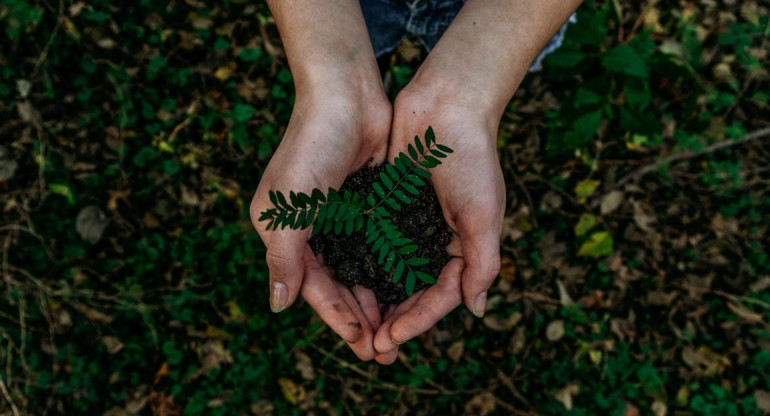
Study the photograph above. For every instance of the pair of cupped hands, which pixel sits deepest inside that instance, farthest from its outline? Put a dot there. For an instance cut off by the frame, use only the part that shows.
(336, 129)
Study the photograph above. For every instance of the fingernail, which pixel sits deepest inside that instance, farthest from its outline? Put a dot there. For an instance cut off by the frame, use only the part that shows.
(398, 342)
(480, 305)
(279, 296)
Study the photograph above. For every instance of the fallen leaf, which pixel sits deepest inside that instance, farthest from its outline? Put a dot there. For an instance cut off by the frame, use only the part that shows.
(23, 87)
(659, 408)
(481, 404)
(599, 244)
(586, 222)
(106, 43)
(496, 322)
(222, 73)
(724, 226)
(292, 392)
(213, 354)
(113, 344)
(564, 297)
(631, 410)
(763, 400)
(555, 330)
(611, 201)
(565, 395)
(745, 314)
(643, 216)
(7, 165)
(92, 314)
(90, 223)
(586, 188)
(305, 366)
(455, 351)
(162, 372)
(75, 8)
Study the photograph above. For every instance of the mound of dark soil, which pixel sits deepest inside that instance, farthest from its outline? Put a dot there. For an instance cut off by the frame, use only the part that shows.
(355, 264)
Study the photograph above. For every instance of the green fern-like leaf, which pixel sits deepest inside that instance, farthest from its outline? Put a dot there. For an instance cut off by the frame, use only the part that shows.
(348, 212)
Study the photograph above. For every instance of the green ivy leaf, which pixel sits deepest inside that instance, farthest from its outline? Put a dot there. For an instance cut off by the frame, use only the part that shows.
(599, 244)
(586, 222)
(586, 188)
(626, 60)
(242, 113)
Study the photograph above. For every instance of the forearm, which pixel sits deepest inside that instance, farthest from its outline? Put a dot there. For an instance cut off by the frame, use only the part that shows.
(486, 51)
(326, 43)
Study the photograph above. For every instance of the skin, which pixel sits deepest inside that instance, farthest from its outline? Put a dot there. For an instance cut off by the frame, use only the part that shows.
(342, 119)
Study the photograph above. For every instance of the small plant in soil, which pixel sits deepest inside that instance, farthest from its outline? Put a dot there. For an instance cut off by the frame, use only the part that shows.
(383, 229)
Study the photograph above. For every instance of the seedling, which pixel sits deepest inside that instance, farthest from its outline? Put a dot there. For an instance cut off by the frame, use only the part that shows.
(347, 212)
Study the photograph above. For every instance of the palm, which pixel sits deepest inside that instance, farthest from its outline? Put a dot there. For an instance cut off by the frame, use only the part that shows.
(321, 147)
(471, 192)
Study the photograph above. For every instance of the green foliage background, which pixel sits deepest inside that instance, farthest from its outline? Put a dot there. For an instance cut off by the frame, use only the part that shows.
(134, 134)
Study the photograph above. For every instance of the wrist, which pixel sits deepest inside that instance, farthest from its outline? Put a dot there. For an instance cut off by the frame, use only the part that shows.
(454, 96)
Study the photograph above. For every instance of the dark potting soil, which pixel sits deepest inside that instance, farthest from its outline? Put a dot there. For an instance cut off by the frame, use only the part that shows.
(355, 264)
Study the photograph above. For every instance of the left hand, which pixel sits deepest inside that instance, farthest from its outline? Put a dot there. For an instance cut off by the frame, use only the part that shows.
(471, 191)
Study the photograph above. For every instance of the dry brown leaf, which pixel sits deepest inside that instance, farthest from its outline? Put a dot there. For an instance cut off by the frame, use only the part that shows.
(763, 400)
(497, 322)
(113, 344)
(213, 354)
(91, 313)
(292, 392)
(162, 372)
(631, 410)
(644, 216)
(555, 330)
(745, 314)
(564, 297)
(305, 366)
(565, 395)
(455, 351)
(90, 223)
(724, 226)
(7, 165)
(481, 404)
(659, 408)
(611, 201)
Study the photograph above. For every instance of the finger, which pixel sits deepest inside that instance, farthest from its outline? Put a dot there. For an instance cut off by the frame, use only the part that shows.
(454, 248)
(383, 343)
(482, 258)
(285, 254)
(435, 303)
(387, 358)
(369, 305)
(364, 346)
(323, 295)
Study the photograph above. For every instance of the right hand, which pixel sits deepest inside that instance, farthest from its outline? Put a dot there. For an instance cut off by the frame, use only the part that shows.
(331, 134)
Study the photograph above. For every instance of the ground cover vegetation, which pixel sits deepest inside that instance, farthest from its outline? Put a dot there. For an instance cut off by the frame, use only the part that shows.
(635, 276)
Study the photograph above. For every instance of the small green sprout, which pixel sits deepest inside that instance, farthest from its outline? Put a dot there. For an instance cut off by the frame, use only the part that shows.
(348, 211)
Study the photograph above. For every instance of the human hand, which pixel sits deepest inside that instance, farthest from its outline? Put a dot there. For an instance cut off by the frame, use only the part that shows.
(331, 133)
(471, 192)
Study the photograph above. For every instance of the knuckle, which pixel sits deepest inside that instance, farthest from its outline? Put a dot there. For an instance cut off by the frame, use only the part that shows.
(276, 259)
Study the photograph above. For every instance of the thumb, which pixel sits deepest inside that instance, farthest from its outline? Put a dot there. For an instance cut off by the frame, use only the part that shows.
(285, 254)
(482, 265)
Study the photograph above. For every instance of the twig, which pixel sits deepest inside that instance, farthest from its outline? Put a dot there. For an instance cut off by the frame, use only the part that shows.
(511, 408)
(8, 398)
(389, 386)
(380, 383)
(755, 135)
(508, 383)
(44, 53)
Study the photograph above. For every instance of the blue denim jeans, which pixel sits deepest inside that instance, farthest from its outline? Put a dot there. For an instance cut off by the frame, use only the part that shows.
(389, 21)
